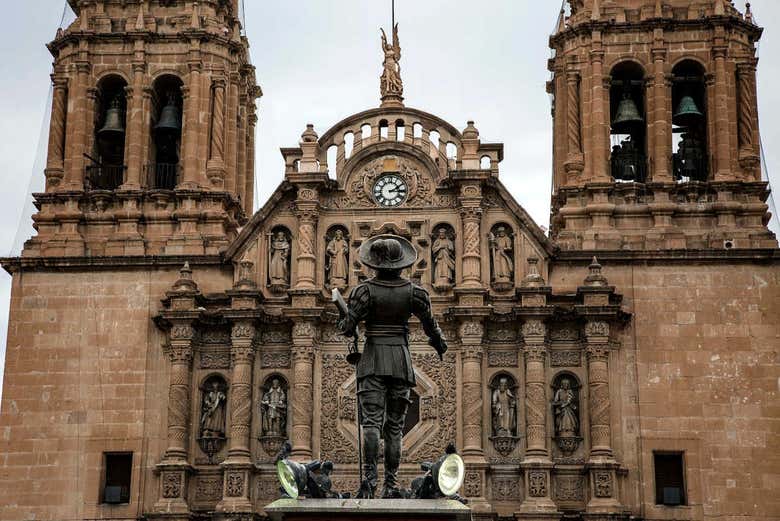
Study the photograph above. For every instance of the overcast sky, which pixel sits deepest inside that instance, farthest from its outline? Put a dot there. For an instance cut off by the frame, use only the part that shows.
(319, 61)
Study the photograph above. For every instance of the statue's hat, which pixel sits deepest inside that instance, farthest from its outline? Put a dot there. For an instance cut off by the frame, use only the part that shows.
(387, 252)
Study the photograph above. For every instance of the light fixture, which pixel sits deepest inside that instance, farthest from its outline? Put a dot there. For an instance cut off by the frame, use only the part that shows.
(292, 476)
(442, 478)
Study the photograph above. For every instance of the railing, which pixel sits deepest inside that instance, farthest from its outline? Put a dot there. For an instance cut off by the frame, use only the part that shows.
(105, 177)
(163, 176)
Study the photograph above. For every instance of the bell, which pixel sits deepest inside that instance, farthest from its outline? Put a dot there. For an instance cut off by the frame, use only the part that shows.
(114, 126)
(627, 116)
(170, 118)
(687, 113)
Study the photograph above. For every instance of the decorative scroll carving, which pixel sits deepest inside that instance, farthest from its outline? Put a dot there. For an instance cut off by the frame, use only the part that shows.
(597, 329)
(171, 484)
(304, 330)
(602, 483)
(569, 488)
(274, 359)
(208, 488)
(429, 408)
(181, 332)
(234, 484)
(472, 484)
(359, 190)
(215, 359)
(275, 336)
(502, 332)
(506, 489)
(537, 483)
(568, 358)
(502, 358)
(564, 333)
(533, 328)
(347, 408)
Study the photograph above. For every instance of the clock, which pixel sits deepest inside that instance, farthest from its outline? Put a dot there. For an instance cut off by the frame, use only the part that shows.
(390, 190)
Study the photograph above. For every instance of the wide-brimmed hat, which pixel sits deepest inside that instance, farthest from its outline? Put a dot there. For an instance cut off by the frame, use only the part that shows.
(387, 252)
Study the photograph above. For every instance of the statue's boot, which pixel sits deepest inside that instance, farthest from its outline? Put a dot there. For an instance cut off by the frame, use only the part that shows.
(390, 490)
(370, 455)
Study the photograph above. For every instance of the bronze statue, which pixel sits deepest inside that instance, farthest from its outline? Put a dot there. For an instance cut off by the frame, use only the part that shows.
(337, 265)
(504, 407)
(278, 268)
(274, 406)
(443, 261)
(384, 372)
(565, 410)
(212, 416)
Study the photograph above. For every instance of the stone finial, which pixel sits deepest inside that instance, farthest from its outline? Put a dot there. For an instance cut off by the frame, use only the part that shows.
(470, 140)
(596, 13)
(561, 21)
(310, 149)
(139, 21)
(533, 279)
(195, 21)
(659, 9)
(595, 278)
(720, 9)
(748, 13)
(309, 135)
(185, 282)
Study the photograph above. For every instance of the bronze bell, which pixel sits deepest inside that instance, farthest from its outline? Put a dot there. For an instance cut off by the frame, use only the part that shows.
(627, 117)
(114, 126)
(687, 112)
(170, 118)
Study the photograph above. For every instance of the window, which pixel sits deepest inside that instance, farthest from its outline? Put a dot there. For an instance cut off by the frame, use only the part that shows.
(118, 473)
(669, 478)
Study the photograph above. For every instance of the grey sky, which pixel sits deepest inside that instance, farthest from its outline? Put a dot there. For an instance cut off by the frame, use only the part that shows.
(319, 61)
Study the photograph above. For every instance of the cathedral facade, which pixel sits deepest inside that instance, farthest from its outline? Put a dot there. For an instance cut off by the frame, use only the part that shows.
(166, 338)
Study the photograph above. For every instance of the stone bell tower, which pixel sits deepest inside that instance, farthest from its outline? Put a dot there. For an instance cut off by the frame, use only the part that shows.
(656, 129)
(151, 146)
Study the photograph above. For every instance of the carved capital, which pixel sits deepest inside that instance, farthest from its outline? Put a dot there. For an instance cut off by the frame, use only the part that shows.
(534, 328)
(302, 354)
(242, 331)
(470, 213)
(472, 352)
(304, 330)
(597, 329)
(597, 353)
(307, 194)
(182, 332)
(471, 332)
(535, 353)
(242, 354)
(179, 353)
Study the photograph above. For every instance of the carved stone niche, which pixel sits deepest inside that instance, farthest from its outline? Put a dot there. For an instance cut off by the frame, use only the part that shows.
(443, 257)
(273, 413)
(337, 255)
(212, 419)
(502, 257)
(566, 412)
(503, 407)
(279, 248)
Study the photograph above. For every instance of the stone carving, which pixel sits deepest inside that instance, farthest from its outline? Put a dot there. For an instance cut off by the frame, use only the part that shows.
(429, 408)
(501, 256)
(537, 483)
(304, 330)
(502, 358)
(334, 446)
(268, 489)
(212, 416)
(360, 186)
(276, 336)
(443, 254)
(471, 329)
(566, 415)
(208, 488)
(274, 359)
(279, 261)
(602, 483)
(215, 336)
(506, 489)
(181, 332)
(347, 408)
(171, 484)
(502, 332)
(533, 328)
(564, 333)
(274, 410)
(234, 484)
(568, 358)
(337, 263)
(569, 488)
(472, 484)
(597, 329)
(215, 359)
(504, 406)
(390, 82)
(242, 331)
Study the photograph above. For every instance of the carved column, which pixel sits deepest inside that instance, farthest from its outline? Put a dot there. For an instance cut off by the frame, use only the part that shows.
(574, 160)
(241, 151)
(662, 152)
(749, 158)
(216, 164)
(249, 190)
(192, 126)
(471, 217)
(174, 468)
(597, 335)
(238, 464)
(304, 340)
(76, 136)
(135, 128)
(55, 160)
(722, 151)
(471, 355)
(231, 156)
(599, 120)
(306, 210)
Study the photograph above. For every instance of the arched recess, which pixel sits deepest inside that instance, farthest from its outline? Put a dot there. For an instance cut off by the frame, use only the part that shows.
(274, 406)
(628, 127)
(502, 256)
(443, 257)
(337, 255)
(212, 419)
(107, 171)
(566, 411)
(164, 167)
(503, 405)
(279, 262)
(689, 122)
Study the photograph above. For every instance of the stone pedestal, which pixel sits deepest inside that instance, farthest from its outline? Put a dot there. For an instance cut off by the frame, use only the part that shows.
(367, 510)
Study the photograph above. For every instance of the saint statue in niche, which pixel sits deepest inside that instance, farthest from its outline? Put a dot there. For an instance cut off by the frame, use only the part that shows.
(443, 261)
(565, 410)
(212, 416)
(501, 251)
(337, 263)
(504, 407)
(274, 406)
(278, 266)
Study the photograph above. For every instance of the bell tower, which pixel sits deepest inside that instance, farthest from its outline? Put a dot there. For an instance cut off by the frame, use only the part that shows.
(656, 137)
(151, 145)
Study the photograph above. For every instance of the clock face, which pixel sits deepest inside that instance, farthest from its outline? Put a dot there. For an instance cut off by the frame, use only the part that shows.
(390, 190)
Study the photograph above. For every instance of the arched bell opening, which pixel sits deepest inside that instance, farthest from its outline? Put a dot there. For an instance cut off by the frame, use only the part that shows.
(689, 122)
(165, 152)
(107, 171)
(628, 129)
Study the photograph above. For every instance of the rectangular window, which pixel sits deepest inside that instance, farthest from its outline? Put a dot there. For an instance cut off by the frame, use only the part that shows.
(118, 474)
(669, 478)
